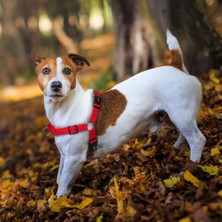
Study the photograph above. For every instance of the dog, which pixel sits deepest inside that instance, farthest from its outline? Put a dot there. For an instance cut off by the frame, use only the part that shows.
(91, 124)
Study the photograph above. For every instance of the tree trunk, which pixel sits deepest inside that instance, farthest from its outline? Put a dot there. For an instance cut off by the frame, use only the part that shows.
(138, 41)
(200, 43)
(62, 37)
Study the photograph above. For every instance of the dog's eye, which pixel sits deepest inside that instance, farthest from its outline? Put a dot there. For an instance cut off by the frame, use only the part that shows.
(67, 71)
(46, 71)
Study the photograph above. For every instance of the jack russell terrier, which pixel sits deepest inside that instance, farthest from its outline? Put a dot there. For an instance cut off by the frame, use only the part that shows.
(88, 123)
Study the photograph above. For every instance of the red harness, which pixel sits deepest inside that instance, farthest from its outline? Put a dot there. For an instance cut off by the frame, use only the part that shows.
(90, 126)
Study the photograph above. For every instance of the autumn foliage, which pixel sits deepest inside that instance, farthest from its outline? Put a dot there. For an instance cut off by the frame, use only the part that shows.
(144, 180)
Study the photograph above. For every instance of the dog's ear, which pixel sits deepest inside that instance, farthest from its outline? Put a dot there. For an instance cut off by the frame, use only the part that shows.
(38, 60)
(78, 60)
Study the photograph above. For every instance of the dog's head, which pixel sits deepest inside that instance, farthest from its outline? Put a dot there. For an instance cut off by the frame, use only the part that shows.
(57, 76)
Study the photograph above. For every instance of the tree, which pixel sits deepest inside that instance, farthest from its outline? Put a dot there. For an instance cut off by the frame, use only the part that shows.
(136, 37)
(140, 34)
(200, 43)
(66, 34)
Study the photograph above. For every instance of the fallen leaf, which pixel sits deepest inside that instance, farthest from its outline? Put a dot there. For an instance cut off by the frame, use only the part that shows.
(31, 203)
(169, 183)
(115, 191)
(41, 205)
(213, 78)
(216, 205)
(137, 144)
(215, 151)
(191, 178)
(149, 152)
(185, 219)
(56, 204)
(219, 193)
(212, 170)
(2, 161)
(88, 191)
(136, 170)
(130, 211)
(85, 202)
(99, 218)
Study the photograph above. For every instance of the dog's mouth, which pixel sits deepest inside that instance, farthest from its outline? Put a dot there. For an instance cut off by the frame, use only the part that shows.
(56, 96)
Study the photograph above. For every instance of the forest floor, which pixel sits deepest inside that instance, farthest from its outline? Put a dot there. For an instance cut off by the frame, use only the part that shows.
(144, 180)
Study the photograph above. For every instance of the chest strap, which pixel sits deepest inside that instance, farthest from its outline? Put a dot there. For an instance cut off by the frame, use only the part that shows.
(90, 126)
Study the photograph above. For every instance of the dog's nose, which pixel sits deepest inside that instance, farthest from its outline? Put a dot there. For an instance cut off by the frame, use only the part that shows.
(56, 86)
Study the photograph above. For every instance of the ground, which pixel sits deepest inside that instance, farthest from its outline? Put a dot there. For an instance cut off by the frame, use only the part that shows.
(144, 180)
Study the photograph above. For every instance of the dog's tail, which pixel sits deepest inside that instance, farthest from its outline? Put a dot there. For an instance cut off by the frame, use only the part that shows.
(176, 52)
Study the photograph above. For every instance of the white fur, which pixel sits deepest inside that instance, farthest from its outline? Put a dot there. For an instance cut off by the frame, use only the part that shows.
(164, 88)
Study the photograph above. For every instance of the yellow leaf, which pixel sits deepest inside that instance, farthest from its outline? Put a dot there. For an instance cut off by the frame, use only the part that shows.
(130, 211)
(216, 205)
(185, 219)
(149, 152)
(137, 144)
(212, 170)
(187, 153)
(41, 205)
(6, 174)
(56, 204)
(24, 183)
(88, 191)
(213, 78)
(10, 216)
(119, 197)
(31, 203)
(169, 183)
(55, 167)
(126, 181)
(191, 178)
(48, 192)
(2, 161)
(219, 193)
(99, 218)
(85, 202)
(136, 170)
(215, 151)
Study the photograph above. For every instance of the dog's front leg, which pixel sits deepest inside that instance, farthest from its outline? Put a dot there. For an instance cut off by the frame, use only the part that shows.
(61, 164)
(71, 167)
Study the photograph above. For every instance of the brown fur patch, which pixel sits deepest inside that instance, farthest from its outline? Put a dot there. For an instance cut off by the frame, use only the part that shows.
(113, 105)
(72, 77)
(44, 79)
(176, 59)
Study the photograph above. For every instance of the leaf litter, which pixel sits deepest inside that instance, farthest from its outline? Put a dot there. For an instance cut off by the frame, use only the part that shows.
(144, 180)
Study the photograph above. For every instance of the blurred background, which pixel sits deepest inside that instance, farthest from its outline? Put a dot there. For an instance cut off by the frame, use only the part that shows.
(118, 37)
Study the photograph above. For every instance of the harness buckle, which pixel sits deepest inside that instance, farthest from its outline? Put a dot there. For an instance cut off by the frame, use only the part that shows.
(46, 131)
(73, 129)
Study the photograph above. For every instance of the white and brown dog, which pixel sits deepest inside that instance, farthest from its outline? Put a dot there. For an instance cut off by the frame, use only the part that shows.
(85, 123)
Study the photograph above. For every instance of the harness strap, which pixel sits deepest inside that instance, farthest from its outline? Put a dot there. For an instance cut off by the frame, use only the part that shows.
(90, 126)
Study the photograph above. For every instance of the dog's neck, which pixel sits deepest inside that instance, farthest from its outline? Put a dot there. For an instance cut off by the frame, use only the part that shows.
(70, 109)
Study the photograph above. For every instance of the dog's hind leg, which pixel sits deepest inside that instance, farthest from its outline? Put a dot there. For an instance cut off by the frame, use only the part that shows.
(196, 141)
(180, 140)
(189, 130)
